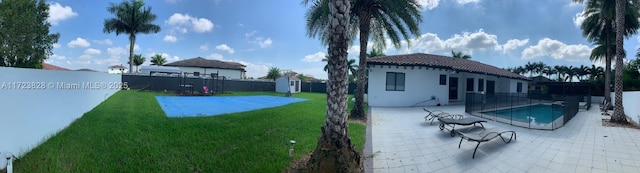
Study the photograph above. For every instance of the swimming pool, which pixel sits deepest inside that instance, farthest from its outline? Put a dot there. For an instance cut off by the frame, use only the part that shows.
(534, 114)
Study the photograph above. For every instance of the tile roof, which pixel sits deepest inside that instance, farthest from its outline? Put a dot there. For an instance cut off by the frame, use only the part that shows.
(444, 62)
(207, 63)
(46, 66)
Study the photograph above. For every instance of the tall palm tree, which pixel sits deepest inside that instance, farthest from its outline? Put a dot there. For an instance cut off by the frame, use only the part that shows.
(610, 14)
(595, 72)
(132, 19)
(459, 54)
(351, 64)
(138, 60)
(334, 151)
(158, 60)
(529, 68)
(376, 19)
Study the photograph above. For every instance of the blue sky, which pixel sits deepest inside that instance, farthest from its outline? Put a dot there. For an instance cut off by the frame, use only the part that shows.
(265, 34)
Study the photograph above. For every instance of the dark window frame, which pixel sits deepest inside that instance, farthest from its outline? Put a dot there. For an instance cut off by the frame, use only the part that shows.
(396, 81)
(480, 85)
(519, 87)
(470, 84)
(443, 79)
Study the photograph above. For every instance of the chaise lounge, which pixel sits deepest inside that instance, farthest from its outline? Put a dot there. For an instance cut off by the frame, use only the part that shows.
(452, 122)
(484, 136)
(432, 115)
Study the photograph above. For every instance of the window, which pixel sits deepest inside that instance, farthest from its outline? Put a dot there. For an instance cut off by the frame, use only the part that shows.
(395, 81)
(443, 79)
(480, 84)
(470, 84)
(291, 83)
(519, 89)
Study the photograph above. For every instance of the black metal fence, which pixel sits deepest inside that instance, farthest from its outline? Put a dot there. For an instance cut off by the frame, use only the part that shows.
(322, 87)
(530, 110)
(194, 85)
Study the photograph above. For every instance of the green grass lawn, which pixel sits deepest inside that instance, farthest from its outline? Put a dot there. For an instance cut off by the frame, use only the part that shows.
(130, 133)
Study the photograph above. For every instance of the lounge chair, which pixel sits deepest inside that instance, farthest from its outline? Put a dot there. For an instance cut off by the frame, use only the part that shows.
(432, 115)
(452, 122)
(484, 136)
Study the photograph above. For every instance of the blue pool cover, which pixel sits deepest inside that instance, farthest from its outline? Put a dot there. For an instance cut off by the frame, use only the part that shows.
(190, 106)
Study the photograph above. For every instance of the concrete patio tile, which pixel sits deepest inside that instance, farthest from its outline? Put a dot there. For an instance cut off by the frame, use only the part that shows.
(406, 144)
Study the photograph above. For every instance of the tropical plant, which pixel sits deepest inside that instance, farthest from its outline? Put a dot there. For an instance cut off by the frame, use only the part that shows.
(351, 64)
(376, 19)
(132, 19)
(459, 54)
(375, 52)
(138, 60)
(595, 72)
(274, 73)
(158, 60)
(334, 151)
(25, 40)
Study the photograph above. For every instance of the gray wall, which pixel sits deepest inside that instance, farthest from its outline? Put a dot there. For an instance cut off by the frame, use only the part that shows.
(33, 112)
(161, 83)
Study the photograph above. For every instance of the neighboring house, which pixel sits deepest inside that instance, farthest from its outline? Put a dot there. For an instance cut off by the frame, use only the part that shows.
(534, 86)
(46, 66)
(284, 84)
(117, 69)
(424, 79)
(231, 70)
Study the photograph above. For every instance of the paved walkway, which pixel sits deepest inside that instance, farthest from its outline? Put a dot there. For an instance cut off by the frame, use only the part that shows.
(402, 142)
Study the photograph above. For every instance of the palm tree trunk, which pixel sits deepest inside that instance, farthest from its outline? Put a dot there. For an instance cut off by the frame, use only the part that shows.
(334, 152)
(132, 42)
(365, 24)
(618, 110)
(607, 79)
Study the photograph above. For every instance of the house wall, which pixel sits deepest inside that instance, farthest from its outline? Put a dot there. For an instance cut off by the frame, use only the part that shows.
(31, 116)
(117, 71)
(420, 85)
(630, 100)
(230, 74)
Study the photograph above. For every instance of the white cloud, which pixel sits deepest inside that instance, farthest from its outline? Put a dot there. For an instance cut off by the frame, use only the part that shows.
(240, 24)
(170, 38)
(56, 45)
(92, 51)
(105, 41)
(578, 19)
(78, 42)
(118, 52)
(462, 2)
(59, 13)
(224, 47)
(204, 47)
(428, 4)
(58, 57)
(316, 57)
(557, 50)
(264, 43)
(215, 56)
(166, 56)
(182, 21)
(467, 42)
(513, 44)
(249, 34)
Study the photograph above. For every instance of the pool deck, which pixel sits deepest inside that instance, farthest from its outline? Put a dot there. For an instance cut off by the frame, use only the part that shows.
(398, 140)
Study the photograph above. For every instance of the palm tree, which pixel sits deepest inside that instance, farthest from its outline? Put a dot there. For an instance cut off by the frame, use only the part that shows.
(583, 72)
(548, 70)
(158, 60)
(351, 64)
(607, 14)
(334, 151)
(274, 73)
(529, 68)
(459, 54)
(132, 19)
(138, 60)
(595, 72)
(378, 19)
(375, 52)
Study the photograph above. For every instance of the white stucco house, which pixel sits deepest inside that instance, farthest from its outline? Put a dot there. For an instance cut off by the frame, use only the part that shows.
(284, 84)
(117, 69)
(230, 70)
(425, 80)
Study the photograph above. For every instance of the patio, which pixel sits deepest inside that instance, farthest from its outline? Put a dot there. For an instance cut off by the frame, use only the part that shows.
(402, 142)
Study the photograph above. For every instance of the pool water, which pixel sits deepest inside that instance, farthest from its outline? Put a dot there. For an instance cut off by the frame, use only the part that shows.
(537, 114)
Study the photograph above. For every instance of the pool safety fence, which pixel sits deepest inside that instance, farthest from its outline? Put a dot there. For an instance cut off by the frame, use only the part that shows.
(529, 110)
